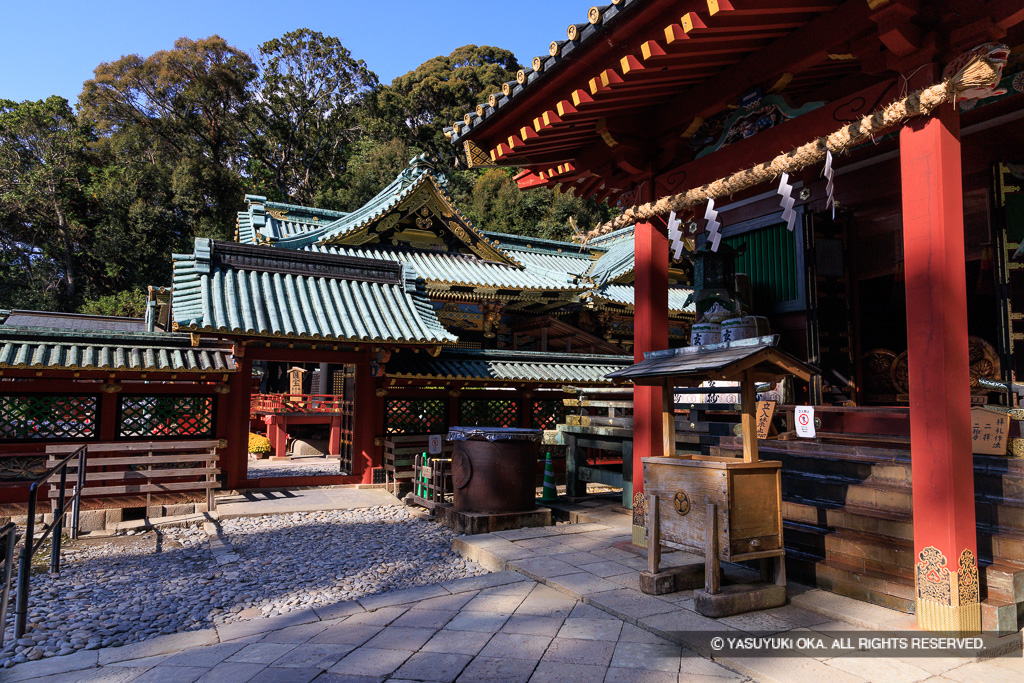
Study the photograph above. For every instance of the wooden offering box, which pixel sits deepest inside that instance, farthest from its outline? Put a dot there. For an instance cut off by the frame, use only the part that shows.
(729, 508)
(746, 496)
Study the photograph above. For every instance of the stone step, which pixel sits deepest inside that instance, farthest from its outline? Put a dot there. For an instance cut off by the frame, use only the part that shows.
(879, 589)
(1000, 616)
(846, 491)
(1002, 546)
(1001, 581)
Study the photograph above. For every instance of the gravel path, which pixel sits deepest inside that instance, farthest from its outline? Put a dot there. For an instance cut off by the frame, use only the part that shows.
(294, 469)
(129, 588)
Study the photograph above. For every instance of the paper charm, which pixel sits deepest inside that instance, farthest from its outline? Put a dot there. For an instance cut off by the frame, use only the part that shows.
(711, 216)
(788, 202)
(830, 186)
(675, 236)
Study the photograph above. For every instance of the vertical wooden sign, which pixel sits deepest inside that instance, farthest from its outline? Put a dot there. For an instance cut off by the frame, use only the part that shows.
(765, 412)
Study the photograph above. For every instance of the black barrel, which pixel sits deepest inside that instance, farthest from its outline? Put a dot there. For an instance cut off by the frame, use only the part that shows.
(494, 469)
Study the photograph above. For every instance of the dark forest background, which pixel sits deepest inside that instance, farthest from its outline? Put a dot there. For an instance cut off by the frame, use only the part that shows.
(158, 150)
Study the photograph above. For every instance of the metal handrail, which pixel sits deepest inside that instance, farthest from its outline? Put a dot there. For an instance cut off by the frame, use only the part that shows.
(53, 529)
(9, 536)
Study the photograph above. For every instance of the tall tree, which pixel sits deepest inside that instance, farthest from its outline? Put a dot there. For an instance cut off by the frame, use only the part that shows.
(496, 203)
(306, 112)
(180, 109)
(43, 169)
(422, 102)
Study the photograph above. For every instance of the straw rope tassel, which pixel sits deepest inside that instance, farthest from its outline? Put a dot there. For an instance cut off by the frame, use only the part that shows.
(978, 72)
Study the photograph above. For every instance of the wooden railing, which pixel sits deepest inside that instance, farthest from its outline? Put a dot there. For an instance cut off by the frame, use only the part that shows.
(299, 403)
(145, 467)
(400, 451)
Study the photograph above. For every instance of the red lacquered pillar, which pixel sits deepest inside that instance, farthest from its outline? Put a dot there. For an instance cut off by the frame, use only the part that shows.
(650, 333)
(234, 457)
(365, 423)
(945, 536)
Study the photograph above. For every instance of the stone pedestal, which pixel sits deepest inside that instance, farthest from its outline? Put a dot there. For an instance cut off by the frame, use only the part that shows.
(739, 598)
(485, 523)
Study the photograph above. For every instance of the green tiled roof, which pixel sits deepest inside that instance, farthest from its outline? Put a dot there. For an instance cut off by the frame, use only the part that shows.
(264, 220)
(437, 267)
(508, 366)
(261, 291)
(617, 262)
(566, 257)
(62, 349)
(623, 294)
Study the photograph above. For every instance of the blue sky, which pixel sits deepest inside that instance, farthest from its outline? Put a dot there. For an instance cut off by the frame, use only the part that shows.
(52, 47)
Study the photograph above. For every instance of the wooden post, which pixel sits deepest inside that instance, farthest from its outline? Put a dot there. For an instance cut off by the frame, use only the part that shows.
(945, 535)
(234, 459)
(653, 535)
(748, 418)
(365, 426)
(650, 333)
(334, 441)
(110, 421)
(572, 483)
(711, 582)
(668, 419)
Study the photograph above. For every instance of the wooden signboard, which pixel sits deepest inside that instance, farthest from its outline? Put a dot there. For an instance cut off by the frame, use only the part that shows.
(295, 380)
(989, 431)
(765, 412)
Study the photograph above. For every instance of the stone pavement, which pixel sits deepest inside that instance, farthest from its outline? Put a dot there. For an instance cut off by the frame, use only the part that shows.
(592, 563)
(500, 627)
(562, 605)
(282, 502)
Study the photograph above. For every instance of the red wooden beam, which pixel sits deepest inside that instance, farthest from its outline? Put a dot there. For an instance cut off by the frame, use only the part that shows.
(765, 145)
(794, 53)
(304, 355)
(71, 386)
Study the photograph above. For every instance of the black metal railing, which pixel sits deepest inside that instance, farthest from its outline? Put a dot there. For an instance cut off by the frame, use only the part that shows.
(54, 529)
(8, 539)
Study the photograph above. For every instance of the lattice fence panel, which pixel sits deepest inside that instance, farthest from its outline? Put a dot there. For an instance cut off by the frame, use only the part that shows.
(548, 413)
(48, 417)
(156, 416)
(489, 412)
(416, 416)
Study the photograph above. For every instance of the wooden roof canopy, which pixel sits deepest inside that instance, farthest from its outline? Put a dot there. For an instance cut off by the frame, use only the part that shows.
(755, 359)
(618, 102)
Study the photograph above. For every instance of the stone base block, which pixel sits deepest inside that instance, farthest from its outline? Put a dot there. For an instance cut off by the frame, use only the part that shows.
(179, 509)
(90, 520)
(682, 578)
(739, 598)
(999, 616)
(113, 517)
(483, 523)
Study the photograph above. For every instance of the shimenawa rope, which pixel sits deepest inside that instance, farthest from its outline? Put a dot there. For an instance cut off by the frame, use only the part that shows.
(978, 72)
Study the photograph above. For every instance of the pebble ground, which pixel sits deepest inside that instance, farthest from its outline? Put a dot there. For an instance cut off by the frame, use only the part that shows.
(131, 587)
(296, 469)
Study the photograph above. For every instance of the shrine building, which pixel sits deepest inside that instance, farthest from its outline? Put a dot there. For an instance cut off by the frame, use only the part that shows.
(861, 163)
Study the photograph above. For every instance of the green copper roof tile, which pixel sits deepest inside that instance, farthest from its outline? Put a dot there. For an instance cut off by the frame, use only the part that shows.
(462, 269)
(623, 294)
(510, 366)
(262, 291)
(53, 349)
